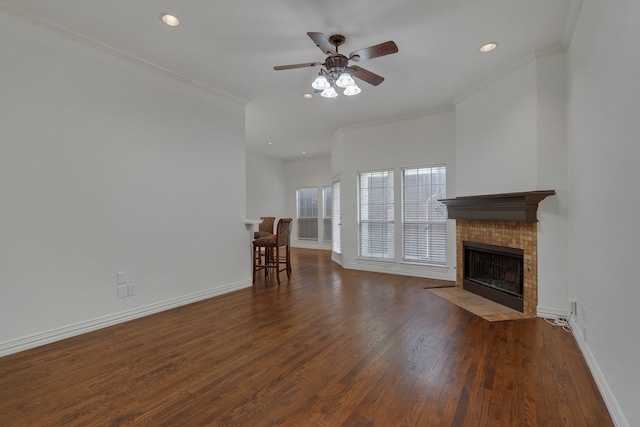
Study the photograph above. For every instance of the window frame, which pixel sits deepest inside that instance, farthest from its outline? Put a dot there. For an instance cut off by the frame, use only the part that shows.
(300, 220)
(436, 245)
(327, 207)
(383, 245)
(336, 238)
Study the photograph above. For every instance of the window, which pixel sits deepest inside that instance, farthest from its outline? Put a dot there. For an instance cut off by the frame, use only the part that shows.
(326, 213)
(375, 215)
(308, 213)
(424, 218)
(335, 226)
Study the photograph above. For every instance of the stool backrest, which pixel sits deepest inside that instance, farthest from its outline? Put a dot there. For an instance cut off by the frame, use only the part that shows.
(284, 231)
(267, 224)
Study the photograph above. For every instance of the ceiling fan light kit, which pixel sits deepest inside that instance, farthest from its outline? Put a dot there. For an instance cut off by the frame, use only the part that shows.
(321, 83)
(336, 71)
(345, 80)
(352, 90)
(329, 93)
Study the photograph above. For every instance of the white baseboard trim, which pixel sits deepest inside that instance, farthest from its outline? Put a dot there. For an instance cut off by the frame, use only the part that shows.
(58, 334)
(617, 416)
(551, 313)
(402, 269)
(310, 244)
(337, 258)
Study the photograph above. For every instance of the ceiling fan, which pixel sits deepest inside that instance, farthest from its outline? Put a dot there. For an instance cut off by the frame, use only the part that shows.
(336, 70)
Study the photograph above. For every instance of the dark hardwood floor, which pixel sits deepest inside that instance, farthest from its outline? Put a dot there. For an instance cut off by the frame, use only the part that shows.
(330, 347)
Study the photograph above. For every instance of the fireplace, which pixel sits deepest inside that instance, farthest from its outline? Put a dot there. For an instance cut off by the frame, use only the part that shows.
(509, 221)
(495, 272)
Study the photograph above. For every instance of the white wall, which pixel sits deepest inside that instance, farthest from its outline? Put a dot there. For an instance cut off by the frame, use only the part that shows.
(312, 172)
(511, 137)
(266, 187)
(420, 141)
(496, 139)
(604, 202)
(107, 167)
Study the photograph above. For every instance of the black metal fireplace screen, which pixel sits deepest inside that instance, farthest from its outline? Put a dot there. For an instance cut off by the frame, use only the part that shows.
(494, 272)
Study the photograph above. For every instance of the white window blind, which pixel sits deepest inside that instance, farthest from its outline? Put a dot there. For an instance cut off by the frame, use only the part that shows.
(308, 213)
(424, 218)
(326, 213)
(376, 215)
(335, 218)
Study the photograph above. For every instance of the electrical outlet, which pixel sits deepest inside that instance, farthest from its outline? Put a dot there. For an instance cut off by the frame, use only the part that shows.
(131, 289)
(122, 291)
(574, 306)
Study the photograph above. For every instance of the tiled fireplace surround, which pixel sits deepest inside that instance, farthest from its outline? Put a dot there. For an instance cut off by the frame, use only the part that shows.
(509, 220)
(521, 235)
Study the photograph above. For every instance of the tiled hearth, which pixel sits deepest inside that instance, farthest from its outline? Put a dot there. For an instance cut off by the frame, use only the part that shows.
(521, 235)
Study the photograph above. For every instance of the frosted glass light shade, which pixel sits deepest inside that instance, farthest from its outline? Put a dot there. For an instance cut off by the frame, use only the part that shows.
(330, 92)
(352, 90)
(320, 83)
(345, 80)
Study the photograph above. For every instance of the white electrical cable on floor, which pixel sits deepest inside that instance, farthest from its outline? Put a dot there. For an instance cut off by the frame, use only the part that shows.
(560, 321)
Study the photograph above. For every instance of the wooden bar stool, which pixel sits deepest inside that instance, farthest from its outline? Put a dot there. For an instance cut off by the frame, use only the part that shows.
(267, 253)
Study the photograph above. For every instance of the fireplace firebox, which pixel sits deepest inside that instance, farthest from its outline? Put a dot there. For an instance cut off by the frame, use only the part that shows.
(495, 272)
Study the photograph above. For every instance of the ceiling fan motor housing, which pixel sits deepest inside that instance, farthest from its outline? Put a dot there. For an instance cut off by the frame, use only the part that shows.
(336, 64)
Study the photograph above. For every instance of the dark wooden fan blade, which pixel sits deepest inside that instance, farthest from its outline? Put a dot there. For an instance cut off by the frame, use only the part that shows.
(382, 49)
(289, 67)
(323, 43)
(367, 75)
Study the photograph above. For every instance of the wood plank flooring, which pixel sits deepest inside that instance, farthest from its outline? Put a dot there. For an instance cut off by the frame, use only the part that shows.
(330, 347)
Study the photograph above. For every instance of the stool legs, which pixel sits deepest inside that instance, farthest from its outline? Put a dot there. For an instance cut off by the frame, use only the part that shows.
(267, 257)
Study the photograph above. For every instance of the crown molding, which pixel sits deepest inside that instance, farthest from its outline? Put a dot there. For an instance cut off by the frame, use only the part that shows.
(555, 49)
(572, 20)
(261, 156)
(483, 84)
(72, 34)
(425, 113)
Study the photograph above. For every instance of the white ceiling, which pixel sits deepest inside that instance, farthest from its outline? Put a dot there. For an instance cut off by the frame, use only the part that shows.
(231, 46)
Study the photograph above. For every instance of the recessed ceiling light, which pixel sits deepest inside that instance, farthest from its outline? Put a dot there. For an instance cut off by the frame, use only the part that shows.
(269, 143)
(170, 20)
(488, 47)
(304, 152)
(308, 95)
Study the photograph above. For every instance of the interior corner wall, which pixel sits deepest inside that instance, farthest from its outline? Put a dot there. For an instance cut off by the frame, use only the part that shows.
(604, 199)
(312, 172)
(412, 142)
(108, 167)
(552, 173)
